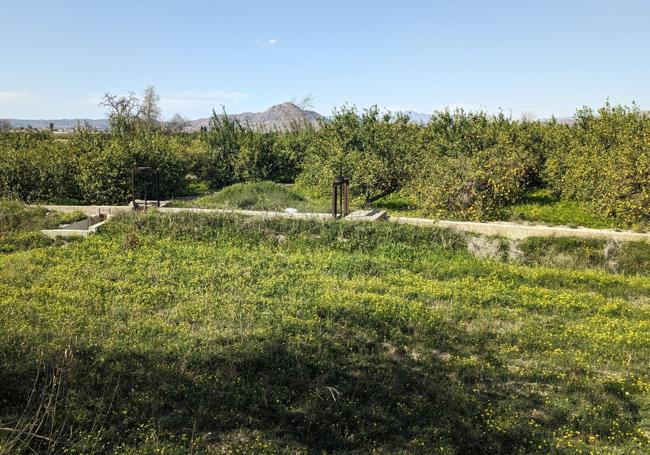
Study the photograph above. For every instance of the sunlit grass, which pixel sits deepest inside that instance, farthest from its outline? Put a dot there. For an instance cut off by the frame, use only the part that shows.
(257, 196)
(222, 334)
(539, 206)
(20, 225)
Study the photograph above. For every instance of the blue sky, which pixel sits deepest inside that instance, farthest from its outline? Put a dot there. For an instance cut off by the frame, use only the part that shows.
(545, 57)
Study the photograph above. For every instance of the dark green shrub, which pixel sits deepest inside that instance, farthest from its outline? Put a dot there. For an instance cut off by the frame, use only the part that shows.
(372, 150)
(605, 160)
(35, 168)
(476, 186)
(105, 167)
(633, 258)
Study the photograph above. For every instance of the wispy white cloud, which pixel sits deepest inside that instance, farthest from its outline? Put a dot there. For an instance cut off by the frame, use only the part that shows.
(270, 41)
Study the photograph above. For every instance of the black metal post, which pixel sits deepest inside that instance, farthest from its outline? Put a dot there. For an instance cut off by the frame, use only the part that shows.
(341, 196)
(334, 189)
(133, 187)
(158, 186)
(346, 205)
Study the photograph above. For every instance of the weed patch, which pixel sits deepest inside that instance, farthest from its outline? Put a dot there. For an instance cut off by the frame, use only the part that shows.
(208, 334)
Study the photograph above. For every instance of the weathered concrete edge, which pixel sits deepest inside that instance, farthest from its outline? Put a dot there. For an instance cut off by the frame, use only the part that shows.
(520, 231)
(54, 233)
(89, 210)
(503, 229)
(111, 210)
(257, 213)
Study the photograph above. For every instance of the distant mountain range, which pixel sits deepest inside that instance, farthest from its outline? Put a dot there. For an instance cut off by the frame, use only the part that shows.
(280, 117)
(417, 117)
(61, 124)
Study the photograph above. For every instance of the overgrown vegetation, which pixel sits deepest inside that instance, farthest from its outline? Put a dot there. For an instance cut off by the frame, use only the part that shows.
(605, 161)
(541, 206)
(95, 167)
(374, 151)
(20, 225)
(256, 196)
(195, 333)
(458, 165)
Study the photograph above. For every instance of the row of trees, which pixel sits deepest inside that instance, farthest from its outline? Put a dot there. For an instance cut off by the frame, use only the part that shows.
(95, 167)
(471, 165)
(467, 165)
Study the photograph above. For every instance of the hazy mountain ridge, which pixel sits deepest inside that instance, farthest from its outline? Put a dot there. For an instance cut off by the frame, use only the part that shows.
(280, 117)
(59, 124)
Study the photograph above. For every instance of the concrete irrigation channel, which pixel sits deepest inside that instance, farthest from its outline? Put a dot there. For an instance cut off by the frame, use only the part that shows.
(80, 228)
(515, 231)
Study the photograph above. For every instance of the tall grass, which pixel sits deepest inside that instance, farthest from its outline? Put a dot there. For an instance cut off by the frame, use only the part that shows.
(257, 196)
(20, 225)
(221, 334)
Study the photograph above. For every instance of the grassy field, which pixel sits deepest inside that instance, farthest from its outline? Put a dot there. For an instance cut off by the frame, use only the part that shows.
(257, 196)
(540, 207)
(216, 334)
(20, 225)
(537, 207)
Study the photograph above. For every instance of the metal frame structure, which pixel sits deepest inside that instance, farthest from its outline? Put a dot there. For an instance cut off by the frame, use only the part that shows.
(340, 197)
(140, 170)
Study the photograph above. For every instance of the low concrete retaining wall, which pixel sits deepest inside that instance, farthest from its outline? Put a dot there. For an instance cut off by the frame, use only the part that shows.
(90, 210)
(80, 228)
(257, 213)
(521, 231)
(500, 228)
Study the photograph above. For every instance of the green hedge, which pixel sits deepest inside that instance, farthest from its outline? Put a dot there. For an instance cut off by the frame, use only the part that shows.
(461, 165)
(605, 160)
(476, 186)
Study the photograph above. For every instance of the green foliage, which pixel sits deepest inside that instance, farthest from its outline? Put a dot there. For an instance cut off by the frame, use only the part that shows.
(35, 167)
(106, 164)
(567, 252)
(474, 165)
(223, 139)
(633, 258)
(256, 196)
(229, 153)
(606, 161)
(17, 217)
(541, 206)
(92, 167)
(371, 149)
(23, 241)
(20, 225)
(192, 333)
(105, 173)
(458, 165)
(459, 133)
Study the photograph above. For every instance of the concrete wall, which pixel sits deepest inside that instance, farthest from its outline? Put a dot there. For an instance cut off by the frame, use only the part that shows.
(521, 231)
(503, 229)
